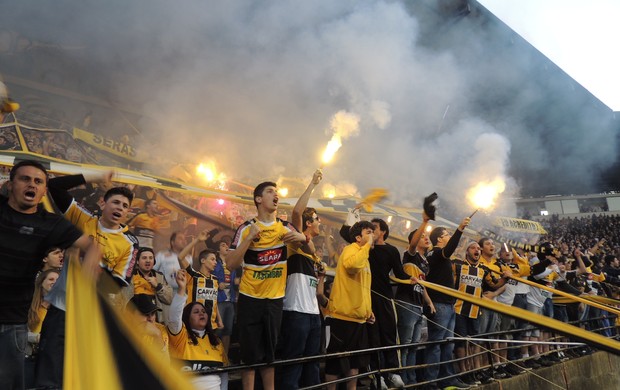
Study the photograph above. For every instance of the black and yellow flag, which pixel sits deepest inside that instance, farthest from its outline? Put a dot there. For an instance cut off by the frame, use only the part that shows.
(591, 338)
(102, 349)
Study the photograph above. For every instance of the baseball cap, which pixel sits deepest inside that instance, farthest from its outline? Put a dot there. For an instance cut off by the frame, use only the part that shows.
(145, 303)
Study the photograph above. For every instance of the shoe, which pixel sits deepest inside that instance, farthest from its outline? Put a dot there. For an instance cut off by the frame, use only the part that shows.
(484, 377)
(543, 361)
(521, 364)
(562, 356)
(383, 385)
(455, 383)
(504, 369)
(532, 364)
(395, 381)
(498, 373)
(553, 358)
(514, 369)
(470, 379)
(378, 383)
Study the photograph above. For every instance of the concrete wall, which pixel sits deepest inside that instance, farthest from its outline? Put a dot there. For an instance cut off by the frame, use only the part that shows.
(599, 371)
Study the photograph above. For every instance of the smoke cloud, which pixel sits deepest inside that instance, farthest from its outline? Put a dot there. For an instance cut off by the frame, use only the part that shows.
(254, 86)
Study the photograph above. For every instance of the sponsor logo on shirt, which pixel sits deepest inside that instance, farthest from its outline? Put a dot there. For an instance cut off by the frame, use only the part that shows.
(471, 280)
(270, 274)
(270, 256)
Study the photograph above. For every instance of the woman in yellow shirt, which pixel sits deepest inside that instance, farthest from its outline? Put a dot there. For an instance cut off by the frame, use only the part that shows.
(193, 341)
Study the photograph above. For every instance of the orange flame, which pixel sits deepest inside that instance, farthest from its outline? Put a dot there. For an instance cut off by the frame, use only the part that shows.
(484, 194)
(343, 125)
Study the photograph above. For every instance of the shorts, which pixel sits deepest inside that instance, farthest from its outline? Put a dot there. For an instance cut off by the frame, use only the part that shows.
(259, 325)
(532, 331)
(520, 301)
(346, 336)
(463, 327)
(506, 323)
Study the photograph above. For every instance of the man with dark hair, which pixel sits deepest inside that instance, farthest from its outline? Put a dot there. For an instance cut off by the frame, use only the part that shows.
(612, 269)
(301, 336)
(441, 325)
(202, 286)
(26, 232)
(350, 306)
(259, 246)
(385, 260)
(471, 278)
(410, 299)
(118, 248)
(147, 281)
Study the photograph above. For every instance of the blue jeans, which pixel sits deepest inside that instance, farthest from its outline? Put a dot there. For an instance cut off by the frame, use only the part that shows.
(300, 335)
(440, 327)
(13, 341)
(410, 323)
(227, 312)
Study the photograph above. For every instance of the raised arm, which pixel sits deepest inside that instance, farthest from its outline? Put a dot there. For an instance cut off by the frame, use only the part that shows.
(59, 186)
(453, 243)
(183, 262)
(581, 267)
(418, 233)
(175, 313)
(353, 216)
(302, 202)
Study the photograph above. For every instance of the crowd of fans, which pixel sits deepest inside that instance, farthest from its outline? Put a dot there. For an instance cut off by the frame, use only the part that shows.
(273, 287)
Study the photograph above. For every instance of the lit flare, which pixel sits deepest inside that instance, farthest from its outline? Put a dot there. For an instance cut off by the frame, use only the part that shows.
(484, 194)
(343, 125)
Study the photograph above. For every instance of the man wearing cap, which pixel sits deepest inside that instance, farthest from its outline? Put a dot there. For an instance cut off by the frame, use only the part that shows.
(27, 230)
(144, 310)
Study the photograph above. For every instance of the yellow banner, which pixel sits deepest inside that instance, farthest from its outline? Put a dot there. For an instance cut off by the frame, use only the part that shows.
(108, 145)
(520, 225)
(104, 350)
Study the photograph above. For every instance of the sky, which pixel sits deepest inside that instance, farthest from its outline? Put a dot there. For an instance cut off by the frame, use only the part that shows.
(581, 37)
(255, 86)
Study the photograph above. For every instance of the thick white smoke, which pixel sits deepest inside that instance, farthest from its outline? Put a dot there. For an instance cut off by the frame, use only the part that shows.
(254, 85)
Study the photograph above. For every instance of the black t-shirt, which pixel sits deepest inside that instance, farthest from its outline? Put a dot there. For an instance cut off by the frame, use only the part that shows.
(24, 238)
(440, 269)
(383, 259)
(413, 294)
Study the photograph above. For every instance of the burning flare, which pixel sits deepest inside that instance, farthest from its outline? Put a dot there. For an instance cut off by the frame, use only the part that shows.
(209, 174)
(484, 194)
(343, 125)
(329, 191)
